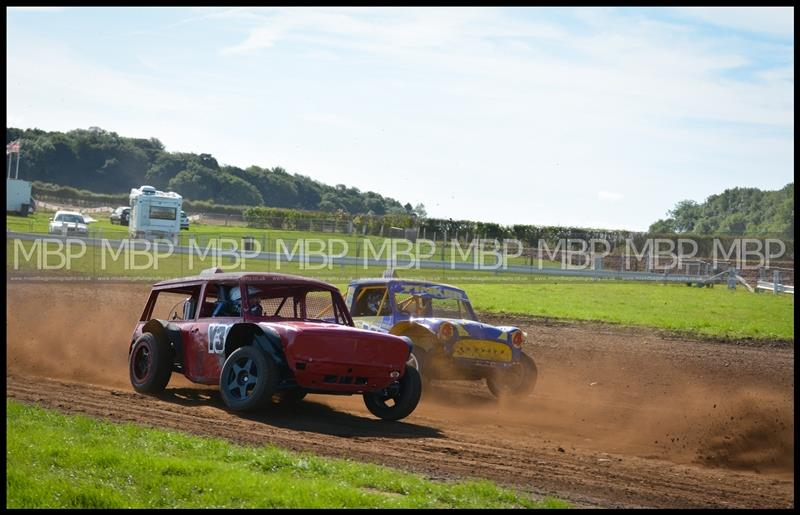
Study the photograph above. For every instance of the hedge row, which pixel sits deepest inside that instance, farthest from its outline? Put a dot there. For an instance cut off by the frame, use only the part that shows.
(53, 192)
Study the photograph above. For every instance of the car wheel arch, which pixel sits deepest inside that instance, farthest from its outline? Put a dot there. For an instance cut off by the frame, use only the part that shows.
(167, 332)
(419, 334)
(156, 327)
(247, 333)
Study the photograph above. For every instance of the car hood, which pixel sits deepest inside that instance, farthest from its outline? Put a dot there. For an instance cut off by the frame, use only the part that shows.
(469, 328)
(291, 328)
(319, 341)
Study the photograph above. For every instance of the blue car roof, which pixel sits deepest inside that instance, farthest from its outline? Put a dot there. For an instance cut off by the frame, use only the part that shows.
(391, 282)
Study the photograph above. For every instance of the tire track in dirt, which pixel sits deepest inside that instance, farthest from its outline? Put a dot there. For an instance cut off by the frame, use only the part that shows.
(577, 476)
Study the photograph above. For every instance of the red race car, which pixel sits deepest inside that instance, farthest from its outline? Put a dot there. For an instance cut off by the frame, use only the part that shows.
(268, 339)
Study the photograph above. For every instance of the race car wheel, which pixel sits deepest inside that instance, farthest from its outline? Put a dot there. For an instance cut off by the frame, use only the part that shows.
(398, 400)
(248, 379)
(150, 364)
(288, 397)
(419, 360)
(518, 380)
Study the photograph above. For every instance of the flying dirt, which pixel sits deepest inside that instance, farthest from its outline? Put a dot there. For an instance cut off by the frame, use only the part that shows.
(619, 417)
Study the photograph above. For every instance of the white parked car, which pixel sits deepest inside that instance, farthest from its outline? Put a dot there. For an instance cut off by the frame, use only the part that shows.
(69, 222)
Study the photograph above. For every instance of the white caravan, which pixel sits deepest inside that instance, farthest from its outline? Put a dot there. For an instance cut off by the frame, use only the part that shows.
(155, 214)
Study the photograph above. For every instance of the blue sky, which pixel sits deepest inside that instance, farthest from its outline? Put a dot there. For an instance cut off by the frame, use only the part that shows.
(588, 116)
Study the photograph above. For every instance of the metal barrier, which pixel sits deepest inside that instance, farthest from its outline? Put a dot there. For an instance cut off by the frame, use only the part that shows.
(778, 283)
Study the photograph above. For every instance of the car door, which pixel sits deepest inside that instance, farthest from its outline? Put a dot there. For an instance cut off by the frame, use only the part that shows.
(176, 308)
(205, 346)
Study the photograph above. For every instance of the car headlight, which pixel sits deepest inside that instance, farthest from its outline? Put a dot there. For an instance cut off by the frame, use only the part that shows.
(446, 331)
(517, 339)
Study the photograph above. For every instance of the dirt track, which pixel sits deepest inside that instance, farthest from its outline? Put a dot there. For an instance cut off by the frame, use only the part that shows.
(619, 418)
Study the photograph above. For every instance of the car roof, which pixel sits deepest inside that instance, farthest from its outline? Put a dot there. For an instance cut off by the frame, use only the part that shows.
(393, 280)
(250, 277)
(61, 212)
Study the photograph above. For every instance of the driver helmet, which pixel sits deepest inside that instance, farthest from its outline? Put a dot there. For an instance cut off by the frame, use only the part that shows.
(235, 294)
(427, 305)
(374, 301)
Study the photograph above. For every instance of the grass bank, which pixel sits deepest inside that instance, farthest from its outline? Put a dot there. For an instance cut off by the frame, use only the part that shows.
(72, 461)
(709, 312)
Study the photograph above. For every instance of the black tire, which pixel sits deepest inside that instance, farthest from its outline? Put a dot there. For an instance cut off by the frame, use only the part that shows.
(248, 379)
(394, 406)
(150, 364)
(419, 360)
(289, 398)
(519, 381)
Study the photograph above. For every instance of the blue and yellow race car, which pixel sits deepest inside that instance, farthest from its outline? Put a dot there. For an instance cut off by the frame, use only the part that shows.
(448, 340)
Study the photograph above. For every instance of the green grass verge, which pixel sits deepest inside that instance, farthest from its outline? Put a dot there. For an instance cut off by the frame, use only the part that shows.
(109, 262)
(72, 461)
(709, 312)
(267, 238)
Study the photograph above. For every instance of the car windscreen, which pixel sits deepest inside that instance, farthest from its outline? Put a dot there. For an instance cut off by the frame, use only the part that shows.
(427, 306)
(293, 302)
(69, 218)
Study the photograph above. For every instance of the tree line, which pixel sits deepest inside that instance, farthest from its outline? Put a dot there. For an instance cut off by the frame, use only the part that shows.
(96, 164)
(104, 162)
(735, 211)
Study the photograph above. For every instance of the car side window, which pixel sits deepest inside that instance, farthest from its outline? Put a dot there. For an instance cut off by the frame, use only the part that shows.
(221, 300)
(176, 305)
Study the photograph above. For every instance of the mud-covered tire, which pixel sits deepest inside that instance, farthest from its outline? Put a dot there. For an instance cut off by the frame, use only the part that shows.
(150, 364)
(288, 398)
(400, 405)
(418, 359)
(249, 378)
(520, 382)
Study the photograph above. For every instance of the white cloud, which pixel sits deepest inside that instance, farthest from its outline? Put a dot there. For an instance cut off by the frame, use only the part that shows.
(775, 21)
(261, 37)
(477, 113)
(609, 196)
(334, 120)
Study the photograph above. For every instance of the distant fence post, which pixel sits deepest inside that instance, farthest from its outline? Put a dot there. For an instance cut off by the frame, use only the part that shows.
(731, 278)
(777, 287)
(266, 249)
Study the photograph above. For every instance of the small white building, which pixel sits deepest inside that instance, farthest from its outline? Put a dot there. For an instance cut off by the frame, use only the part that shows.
(18, 196)
(155, 214)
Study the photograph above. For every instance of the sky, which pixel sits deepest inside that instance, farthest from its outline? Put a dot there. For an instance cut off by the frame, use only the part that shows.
(593, 117)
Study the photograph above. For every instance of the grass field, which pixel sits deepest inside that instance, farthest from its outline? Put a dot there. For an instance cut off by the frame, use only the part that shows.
(70, 461)
(711, 312)
(268, 239)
